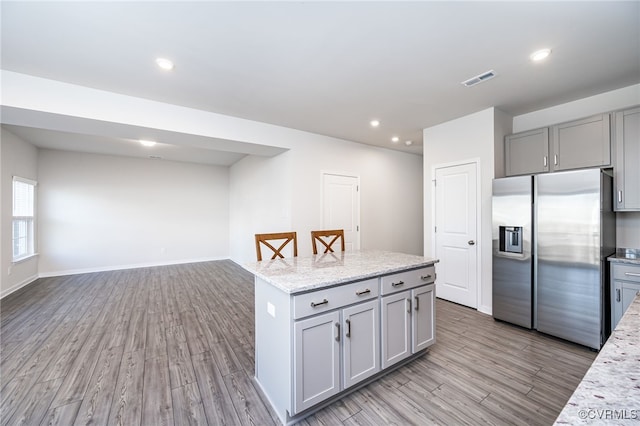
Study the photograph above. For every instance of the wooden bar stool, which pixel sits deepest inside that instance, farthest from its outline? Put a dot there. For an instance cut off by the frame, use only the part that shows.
(278, 236)
(327, 238)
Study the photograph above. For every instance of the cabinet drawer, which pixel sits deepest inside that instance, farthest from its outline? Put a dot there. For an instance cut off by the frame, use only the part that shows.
(406, 280)
(626, 272)
(328, 299)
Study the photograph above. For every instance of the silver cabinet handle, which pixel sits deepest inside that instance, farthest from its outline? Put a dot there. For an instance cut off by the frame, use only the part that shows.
(617, 295)
(544, 161)
(360, 293)
(397, 284)
(417, 303)
(425, 277)
(555, 159)
(632, 274)
(337, 332)
(314, 304)
(348, 328)
(619, 196)
(408, 306)
(471, 242)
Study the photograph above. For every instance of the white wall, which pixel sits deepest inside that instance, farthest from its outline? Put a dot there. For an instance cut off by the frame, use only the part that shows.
(390, 193)
(283, 193)
(102, 212)
(19, 158)
(628, 223)
(468, 138)
(260, 197)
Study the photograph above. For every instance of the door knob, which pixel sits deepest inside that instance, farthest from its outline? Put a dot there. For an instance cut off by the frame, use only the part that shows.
(471, 243)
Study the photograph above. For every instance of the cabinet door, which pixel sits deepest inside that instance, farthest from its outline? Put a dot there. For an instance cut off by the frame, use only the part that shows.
(616, 303)
(361, 343)
(527, 152)
(396, 328)
(629, 291)
(423, 333)
(627, 172)
(316, 359)
(582, 143)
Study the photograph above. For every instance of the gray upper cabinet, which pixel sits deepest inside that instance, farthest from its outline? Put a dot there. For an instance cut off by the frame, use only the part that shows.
(627, 169)
(573, 145)
(527, 152)
(581, 143)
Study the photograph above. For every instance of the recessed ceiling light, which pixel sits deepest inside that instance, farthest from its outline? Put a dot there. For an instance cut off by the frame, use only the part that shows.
(539, 55)
(147, 143)
(165, 64)
(408, 143)
(395, 139)
(374, 123)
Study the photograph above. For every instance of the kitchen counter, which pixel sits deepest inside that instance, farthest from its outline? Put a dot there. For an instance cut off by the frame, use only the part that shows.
(610, 391)
(301, 274)
(626, 255)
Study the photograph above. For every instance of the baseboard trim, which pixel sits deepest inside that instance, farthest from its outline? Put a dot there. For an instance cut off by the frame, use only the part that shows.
(130, 266)
(485, 310)
(18, 286)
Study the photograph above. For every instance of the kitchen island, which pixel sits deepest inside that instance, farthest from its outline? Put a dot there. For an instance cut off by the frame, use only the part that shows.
(328, 324)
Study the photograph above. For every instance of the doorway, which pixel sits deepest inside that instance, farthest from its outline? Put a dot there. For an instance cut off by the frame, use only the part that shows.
(455, 232)
(341, 206)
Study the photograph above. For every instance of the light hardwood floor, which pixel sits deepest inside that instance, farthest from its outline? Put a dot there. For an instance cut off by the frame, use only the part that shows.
(174, 345)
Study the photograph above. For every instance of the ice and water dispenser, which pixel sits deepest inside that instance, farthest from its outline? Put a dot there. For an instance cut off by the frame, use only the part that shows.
(511, 239)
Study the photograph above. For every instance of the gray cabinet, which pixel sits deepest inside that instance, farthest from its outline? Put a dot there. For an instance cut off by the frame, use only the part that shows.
(625, 284)
(627, 164)
(361, 345)
(407, 323)
(582, 143)
(574, 145)
(396, 328)
(527, 152)
(316, 359)
(423, 325)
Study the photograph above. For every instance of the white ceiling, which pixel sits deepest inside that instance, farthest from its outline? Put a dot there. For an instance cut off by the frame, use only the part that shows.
(327, 67)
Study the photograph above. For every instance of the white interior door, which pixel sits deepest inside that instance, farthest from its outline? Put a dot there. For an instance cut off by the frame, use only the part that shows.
(341, 206)
(455, 233)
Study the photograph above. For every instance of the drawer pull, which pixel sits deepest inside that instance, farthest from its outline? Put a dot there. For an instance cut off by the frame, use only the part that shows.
(337, 332)
(314, 304)
(417, 303)
(399, 283)
(348, 328)
(632, 274)
(360, 293)
(425, 277)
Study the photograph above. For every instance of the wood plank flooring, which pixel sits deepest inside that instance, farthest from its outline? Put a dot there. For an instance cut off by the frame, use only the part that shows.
(174, 345)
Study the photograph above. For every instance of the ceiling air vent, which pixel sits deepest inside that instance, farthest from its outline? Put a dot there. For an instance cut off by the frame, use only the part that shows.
(479, 78)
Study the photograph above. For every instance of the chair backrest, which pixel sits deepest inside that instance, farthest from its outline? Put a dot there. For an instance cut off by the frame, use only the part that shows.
(327, 238)
(266, 238)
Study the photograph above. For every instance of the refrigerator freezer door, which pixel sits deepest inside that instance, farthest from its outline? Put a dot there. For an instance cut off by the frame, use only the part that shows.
(512, 268)
(568, 248)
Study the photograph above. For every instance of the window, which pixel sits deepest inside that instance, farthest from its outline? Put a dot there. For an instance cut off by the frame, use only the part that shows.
(23, 217)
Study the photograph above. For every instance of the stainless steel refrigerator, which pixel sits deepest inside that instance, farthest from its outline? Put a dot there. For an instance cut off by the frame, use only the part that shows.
(552, 234)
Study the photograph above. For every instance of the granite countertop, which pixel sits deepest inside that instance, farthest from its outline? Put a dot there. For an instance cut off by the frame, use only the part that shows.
(610, 391)
(300, 274)
(626, 255)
